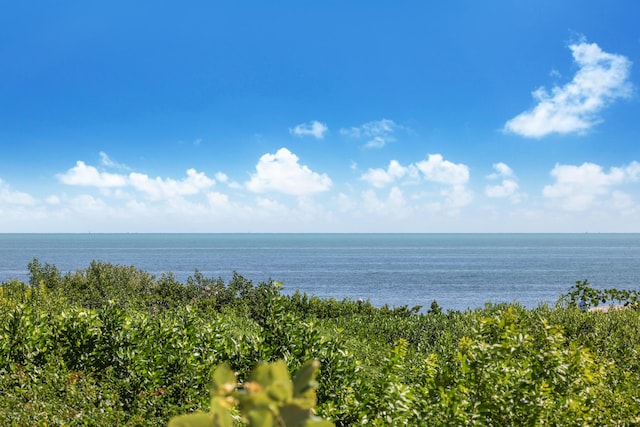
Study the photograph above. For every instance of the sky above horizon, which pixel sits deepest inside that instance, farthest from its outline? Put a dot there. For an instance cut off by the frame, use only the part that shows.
(293, 116)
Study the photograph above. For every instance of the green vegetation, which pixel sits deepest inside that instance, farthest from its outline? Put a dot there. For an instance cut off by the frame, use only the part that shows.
(113, 345)
(268, 398)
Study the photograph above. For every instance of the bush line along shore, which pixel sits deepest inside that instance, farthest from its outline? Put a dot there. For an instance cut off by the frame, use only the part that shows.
(113, 345)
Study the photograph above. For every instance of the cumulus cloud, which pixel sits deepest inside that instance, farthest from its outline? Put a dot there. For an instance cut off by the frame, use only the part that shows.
(436, 169)
(155, 188)
(222, 177)
(381, 177)
(378, 133)
(508, 187)
(85, 175)
(281, 172)
(313, 128)
(451, 177)
(574, 108)
(578, 188)
(158, 188)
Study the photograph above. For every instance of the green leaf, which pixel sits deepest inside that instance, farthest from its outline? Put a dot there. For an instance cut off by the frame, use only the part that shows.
(294, 415)
(318, 423)
(267, 374)
(221, 413)
(193, 420)
(224, 381)
(280, 391)
(260, 418)
(304, 378)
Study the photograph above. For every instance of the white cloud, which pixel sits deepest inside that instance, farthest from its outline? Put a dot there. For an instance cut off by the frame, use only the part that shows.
(508, 188)
(89, 204)
(456, 197)
(313, 128)
(601, 79)
(11, 197)
(222, 177)
(378, 132)
(430, 195)
(380, 177)
(269, 205)
(376, 142)
(105, 160)
(218, 200)
(84, 175)
(168, 188)
(436, 169)
(155, 188)
(394, 206)
(452, 192)
(578, 188)
(281, 172)
(345, 204)
(623, 202)
(501, 170)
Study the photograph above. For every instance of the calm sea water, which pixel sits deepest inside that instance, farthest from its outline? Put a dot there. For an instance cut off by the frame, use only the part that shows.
(460, 271)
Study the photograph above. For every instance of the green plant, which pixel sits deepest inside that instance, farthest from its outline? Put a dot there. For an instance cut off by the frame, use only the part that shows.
(584, 296)
(269, 398)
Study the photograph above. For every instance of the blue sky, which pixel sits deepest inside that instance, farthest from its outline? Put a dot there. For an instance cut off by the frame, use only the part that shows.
(334, 116)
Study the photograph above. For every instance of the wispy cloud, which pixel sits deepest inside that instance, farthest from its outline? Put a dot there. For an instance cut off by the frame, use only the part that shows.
(575, 107)
(12, 197)
(578, 188)
(281, 172)
(105, 160)
(378, 133)
(313, 128)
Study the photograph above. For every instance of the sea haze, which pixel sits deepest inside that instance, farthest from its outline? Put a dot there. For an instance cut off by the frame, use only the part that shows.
(459, 271)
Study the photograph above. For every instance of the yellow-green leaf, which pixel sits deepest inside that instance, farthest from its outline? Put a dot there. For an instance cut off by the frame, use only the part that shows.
(192, 420)
(304, 377)
(260, 418)
(224, 381)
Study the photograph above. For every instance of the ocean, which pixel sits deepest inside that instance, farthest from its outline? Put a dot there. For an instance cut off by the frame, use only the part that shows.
(459, 271)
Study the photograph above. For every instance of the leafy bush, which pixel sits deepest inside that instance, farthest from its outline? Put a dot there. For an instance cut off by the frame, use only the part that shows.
(112, 345)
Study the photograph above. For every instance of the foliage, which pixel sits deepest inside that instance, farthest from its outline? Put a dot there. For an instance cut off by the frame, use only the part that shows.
(113, 345)
(268, 398)
(584, 296)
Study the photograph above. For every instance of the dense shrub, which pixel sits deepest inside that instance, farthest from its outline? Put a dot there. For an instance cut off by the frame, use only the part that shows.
(112, 345)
